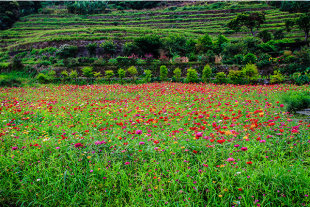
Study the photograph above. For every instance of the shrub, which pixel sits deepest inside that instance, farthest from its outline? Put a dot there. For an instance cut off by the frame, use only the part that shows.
(66, 51)
(238, 59)
(42, 78)
(6, 81)
(175, 44)
(205, 43)
(51, 75)
(250, 58)
(125, 61)
(148, 76)
(221, 40)
(109, 47)
(277, 77)
(236, 76)
(206, 73)
(4, 66)
(148, 44)
(64, 74)
(250, 72)
(265, 35)
(264, 60)
(191, 76)
(91, 47)
(98, 75)
(130, 48)
(220, 77)
(278, 34)
(109, 74)
(301, 79)
(73, 74)
(16, 64)
(296, 101)
(87, 72)
(121, 73)
(163, 73)
(177, 74)
(132, 70)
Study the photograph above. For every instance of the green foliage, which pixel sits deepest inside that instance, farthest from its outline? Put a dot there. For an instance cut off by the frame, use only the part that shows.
(148, 44)
(300, 79)
(138, 5)
(175, 45)
(277, 77)
(238, 59)
(177, 74)
(66, 51)
(206, 73)
(220, 43)
(64, 74)
(109, 47)
(296, 100)
(121, 73)
(250, 72)
(130, 48)
(289, 23)
(205, 43)
(86, 7)
(91, 47)
(191, 76)
(87, 72)
(42, 78)
(11, 11)
(265, 35)
(7, 81)
(132, 70)
(163, 73)
(73, 74)
(16, 64)
(293, 6)
(249, 58)
(148, 76)
(303, 23)
(236, 76)
(278, 34)
(109, 74)
(252, 21)
(220, 77)
(51, 75)
(125, 61)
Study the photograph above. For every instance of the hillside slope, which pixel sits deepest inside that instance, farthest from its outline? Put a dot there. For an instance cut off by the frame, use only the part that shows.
(194, 20)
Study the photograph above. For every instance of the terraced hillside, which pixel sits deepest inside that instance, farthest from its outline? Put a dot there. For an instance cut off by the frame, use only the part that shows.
(194, 20)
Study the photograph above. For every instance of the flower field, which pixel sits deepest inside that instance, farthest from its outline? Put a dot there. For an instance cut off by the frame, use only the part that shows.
(159, 144)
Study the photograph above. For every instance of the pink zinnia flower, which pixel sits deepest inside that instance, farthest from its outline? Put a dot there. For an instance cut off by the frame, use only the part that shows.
(138, 131)
(244, 148)
(14, 148)
(199, 134)
(141, 143)
(230, 159)
(127, 163)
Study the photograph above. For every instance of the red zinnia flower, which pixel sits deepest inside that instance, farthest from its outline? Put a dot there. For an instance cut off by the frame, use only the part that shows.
(78, 145)
(195, 152)
(249, 163)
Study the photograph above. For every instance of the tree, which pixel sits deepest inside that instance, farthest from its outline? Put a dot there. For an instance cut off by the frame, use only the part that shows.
(251, 21)
(303, 23)
(204, 43)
